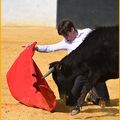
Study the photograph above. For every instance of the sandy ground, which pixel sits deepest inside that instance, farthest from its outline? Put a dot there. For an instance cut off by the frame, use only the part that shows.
(12, 40)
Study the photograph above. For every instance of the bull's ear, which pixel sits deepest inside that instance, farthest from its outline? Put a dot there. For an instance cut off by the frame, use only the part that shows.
(53, 64)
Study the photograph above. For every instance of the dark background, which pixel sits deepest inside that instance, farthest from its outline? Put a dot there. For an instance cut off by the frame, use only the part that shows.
(88, 13)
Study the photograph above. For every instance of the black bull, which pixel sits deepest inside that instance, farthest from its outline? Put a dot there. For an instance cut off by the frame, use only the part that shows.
(96, 59)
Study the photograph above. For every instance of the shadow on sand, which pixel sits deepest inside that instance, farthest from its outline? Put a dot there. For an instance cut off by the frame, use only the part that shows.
(61, 107)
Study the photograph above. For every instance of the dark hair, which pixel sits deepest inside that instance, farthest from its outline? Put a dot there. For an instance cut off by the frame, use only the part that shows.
(65, 26)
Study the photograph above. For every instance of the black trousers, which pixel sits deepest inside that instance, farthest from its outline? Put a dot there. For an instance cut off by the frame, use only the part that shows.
(101, 90)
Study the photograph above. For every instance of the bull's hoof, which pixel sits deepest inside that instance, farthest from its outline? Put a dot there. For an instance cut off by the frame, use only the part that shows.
(103, 103)
(75, 111)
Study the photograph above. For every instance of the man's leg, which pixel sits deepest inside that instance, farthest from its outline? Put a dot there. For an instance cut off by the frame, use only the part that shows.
(76, 90)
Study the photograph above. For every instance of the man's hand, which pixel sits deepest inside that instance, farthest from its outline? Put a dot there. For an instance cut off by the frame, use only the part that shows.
(36, 48)
(25, 46)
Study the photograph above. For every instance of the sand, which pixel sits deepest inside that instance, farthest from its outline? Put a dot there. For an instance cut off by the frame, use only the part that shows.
(12, 40)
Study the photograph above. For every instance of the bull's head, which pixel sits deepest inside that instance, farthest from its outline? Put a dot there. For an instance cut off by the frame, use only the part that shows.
(62, 76)
(55, 69)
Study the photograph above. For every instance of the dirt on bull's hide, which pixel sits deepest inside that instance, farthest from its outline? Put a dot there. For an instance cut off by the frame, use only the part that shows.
(12, 40)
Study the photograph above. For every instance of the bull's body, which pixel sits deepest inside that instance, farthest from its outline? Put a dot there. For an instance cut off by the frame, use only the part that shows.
(96, 59)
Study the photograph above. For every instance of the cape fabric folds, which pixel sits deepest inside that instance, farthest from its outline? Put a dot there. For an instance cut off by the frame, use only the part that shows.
(25, 83)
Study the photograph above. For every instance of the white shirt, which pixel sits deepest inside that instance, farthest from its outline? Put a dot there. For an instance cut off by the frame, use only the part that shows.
(64, 44)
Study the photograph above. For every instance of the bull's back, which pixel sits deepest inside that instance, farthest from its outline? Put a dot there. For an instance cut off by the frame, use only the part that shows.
(98, 50)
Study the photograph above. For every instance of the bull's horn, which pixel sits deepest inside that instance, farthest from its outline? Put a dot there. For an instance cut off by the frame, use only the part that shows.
(49, 72)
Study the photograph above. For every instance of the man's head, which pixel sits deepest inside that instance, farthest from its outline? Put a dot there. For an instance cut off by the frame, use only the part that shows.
(67, 30)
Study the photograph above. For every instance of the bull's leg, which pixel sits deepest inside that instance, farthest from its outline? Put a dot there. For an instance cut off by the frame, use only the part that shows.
(86, 88)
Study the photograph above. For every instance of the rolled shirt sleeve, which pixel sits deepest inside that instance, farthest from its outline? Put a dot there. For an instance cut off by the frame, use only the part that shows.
(53, 47)
(85, 31)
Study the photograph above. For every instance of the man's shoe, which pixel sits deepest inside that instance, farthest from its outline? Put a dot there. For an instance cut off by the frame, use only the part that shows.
(75, 111)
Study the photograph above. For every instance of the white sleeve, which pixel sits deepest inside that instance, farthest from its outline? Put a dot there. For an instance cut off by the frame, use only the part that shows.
(85, 33)
(53, 47)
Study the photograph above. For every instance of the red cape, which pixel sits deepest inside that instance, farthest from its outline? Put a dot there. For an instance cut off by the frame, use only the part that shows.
(25, 83)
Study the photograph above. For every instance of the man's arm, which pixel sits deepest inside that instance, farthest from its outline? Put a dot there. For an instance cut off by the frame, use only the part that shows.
(50, 48)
